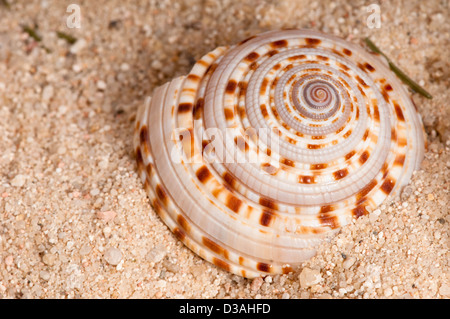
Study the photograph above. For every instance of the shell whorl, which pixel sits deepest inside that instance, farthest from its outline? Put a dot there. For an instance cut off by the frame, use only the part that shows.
(268, 146)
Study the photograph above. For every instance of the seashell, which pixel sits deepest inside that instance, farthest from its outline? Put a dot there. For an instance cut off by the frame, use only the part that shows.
(269, 146)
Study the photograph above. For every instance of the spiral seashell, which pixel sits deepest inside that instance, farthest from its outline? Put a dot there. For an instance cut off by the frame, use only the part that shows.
(269, 146)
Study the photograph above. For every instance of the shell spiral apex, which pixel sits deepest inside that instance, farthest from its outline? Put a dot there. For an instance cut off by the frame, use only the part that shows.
(269, 146)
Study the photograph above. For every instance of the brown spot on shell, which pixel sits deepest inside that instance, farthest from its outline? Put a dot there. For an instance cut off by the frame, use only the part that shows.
(347, 52)
(286, 269)
(369, 67)
(264, 110)
(198, 109)
(211, 68)
(385, 95)
(388, 185)
(233, 203)
(183, 223)
(231, 86)
(384, 169)
(314, 146)
(329, 220)
(336, 52)
(266, 218)
(349, 155)
(251, 57)
(399, 160)
(393, 134)
(264, 84)
(181, 235)
(365, 190)
(312, 41)
(291, 140)
(402, 142)
(305, 179)
(343, 66)
(267, 202)
(279, 44)
(203, 63)
(364, 156)
(366, 134)
(253, 66)
(277, 66)
(229, 179)
(161, 194)
(297, 57)
(347, 134)
(184, 107)
(215, 247)
(340, 174)
(359, 211)
(318, 166)
(362, 67)
(203, 174)
(361, 81)
(205, 143)
(263, 267)
(271, 53)
(398, 111)
(228, 114)
(139, 160)
(221, 264)
(193, 77)
(326, 209)
(144, 140)
(243, 86)
(157, 207)
(287, 162)
(323, 58)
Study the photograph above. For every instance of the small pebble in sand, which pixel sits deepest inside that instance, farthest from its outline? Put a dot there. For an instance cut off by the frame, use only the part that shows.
(19, 180)
(113, 256)
(78, 46)
(49, 259)
(47, 93)
(256, 283)
(44, 275)
(101, 85)
(349, 261)
(106, 216)
(157, 253)
(9, 260)
(309, 277)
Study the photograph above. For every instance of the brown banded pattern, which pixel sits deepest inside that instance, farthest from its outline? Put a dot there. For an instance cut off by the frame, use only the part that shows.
(269, 146)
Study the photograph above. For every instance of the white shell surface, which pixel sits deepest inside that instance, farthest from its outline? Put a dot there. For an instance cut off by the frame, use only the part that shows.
(268, 146)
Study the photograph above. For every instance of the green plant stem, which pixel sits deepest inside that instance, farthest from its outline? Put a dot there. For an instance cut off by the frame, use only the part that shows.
(401, 75)
(70, 39)
(32, 33)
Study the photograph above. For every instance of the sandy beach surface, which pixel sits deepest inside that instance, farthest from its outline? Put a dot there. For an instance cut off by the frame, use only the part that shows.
(75, 221)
